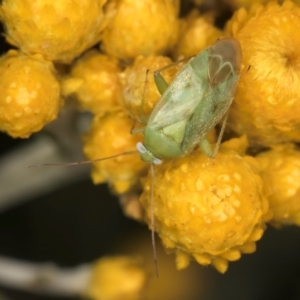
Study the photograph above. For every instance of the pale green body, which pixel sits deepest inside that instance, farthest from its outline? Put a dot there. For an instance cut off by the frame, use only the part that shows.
(193, 103)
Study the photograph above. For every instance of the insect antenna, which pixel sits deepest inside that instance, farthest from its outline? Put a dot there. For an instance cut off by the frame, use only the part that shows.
(152, 220)
(84, 162)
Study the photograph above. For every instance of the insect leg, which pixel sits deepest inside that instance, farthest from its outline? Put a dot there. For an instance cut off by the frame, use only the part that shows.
(220, 136)
(160, 82)
(206, 148)
(137, 130)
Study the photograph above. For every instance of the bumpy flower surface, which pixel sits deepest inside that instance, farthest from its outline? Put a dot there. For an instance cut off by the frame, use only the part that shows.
(60, 30)
(209, 209)
(197, 33)
(281, 171)
(30, 94)
(110, 135)
(140, 92)
(267, 104)
(117, 278)
(146, 27)
(95, 83)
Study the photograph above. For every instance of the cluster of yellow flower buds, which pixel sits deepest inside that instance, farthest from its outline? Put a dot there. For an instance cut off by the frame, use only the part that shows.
(211, 210)
(45, 33)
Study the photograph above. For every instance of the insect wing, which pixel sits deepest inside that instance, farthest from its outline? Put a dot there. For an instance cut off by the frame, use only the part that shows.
(208, 113)
(182, 96)
(223, 73)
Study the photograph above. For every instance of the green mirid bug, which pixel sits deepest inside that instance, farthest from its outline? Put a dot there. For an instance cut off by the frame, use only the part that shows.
(196, 100)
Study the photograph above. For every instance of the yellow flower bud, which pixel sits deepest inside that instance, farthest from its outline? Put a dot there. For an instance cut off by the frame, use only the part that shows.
(30, 94)
(94, 81)
(266, 105)
(209, 209)
(146, 27)
(117, 278)
(110, 135)
(60, 30)
(197, 33)
(281, 171)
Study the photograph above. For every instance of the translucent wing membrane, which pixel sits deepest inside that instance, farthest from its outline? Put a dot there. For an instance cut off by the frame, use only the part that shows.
(179, 100)
(224, 61)
(216, 104)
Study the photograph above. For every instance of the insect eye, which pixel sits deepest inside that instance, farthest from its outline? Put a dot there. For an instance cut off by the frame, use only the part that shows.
(141, 148)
